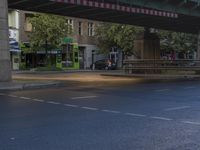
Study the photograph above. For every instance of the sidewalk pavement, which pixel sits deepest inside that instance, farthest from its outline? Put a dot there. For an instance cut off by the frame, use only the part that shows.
(52, 72)
(40, 80)
(66, 71)
(26, 84)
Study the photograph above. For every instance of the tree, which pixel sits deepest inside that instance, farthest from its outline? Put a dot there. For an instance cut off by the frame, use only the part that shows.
(122, 36)
(179, 42)
(48, 31)
(116, 35)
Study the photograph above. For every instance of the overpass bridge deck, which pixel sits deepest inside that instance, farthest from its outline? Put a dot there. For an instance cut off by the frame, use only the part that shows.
(112, 11)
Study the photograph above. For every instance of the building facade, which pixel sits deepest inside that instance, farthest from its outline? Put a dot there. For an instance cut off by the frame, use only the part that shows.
(14, 31)
(83, 33)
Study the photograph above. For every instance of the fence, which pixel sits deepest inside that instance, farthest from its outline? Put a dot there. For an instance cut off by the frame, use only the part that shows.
(161, 66)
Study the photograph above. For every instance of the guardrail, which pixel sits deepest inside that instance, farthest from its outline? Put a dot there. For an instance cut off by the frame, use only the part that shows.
(160, 66)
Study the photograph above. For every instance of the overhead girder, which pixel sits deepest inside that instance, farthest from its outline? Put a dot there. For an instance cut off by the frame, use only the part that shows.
(183, 23)
(185, 7)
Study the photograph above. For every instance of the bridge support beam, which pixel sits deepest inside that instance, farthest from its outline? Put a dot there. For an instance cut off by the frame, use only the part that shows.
(5, 65)
(147, 45)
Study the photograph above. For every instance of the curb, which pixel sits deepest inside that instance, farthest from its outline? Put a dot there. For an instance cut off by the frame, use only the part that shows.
(52, 72)
(24, 86)
(56, 72)
(155, 77)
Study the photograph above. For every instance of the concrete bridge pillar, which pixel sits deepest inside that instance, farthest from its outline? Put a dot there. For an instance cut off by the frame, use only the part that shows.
(5, 65)
(147, 45)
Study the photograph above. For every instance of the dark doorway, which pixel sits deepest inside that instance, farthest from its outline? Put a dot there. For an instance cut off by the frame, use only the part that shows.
(81, 57)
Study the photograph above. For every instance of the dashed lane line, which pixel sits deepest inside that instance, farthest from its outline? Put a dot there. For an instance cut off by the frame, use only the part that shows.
(135, 115)
(90, 108)
(162, 90)
(111, 111)
(38, 100)
(14, 96)
(26, 98)
(52, 102)
(161, 118)
(190, 122)
(70, 105)
(190, 87)
(177, 108)
(83, 97)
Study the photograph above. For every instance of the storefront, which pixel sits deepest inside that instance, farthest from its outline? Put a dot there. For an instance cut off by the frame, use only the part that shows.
(15, 53)
(68, 56)
(65, 58)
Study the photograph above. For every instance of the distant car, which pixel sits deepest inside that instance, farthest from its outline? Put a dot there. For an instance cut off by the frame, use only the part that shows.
(104, 64)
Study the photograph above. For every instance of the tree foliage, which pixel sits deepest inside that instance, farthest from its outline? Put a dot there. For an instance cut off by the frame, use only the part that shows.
(122, 36)
(47, 30)
(179, 42)
(116, 35)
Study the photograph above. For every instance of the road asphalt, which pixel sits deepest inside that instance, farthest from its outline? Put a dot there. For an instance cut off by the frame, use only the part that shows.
(102, 115)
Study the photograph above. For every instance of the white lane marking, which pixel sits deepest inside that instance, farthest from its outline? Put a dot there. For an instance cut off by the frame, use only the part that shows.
(52, 102)
(111, 111)
(84, 97)
(12, 138)
(14, 96)
(190, 87)
(177, 108)
(190, 122)
(2, 94)
(38, 100)
(90, 108)
(27, 98)
(70, 105)
(161, 118)
(162, 90)
(135, 115)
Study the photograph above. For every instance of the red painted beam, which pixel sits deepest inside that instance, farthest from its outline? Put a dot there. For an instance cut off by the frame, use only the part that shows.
(129, 9)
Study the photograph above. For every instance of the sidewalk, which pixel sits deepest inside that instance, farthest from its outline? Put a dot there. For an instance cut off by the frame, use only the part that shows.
(60, 76)
(38, 80)
(52, 72)
(26, 84)
(66, 71)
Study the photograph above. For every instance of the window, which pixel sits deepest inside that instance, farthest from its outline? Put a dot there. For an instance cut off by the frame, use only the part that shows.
(27, 25)
(70, 22)
(80, 28)
(90, 29)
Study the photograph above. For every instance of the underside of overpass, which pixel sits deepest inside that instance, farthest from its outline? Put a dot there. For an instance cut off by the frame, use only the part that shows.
(176, 15)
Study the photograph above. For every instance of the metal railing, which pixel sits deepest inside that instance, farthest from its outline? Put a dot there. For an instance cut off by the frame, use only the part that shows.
(160, 66)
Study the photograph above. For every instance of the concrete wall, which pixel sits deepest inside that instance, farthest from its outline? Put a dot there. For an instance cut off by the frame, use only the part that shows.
(147, 46)
(5, 67)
